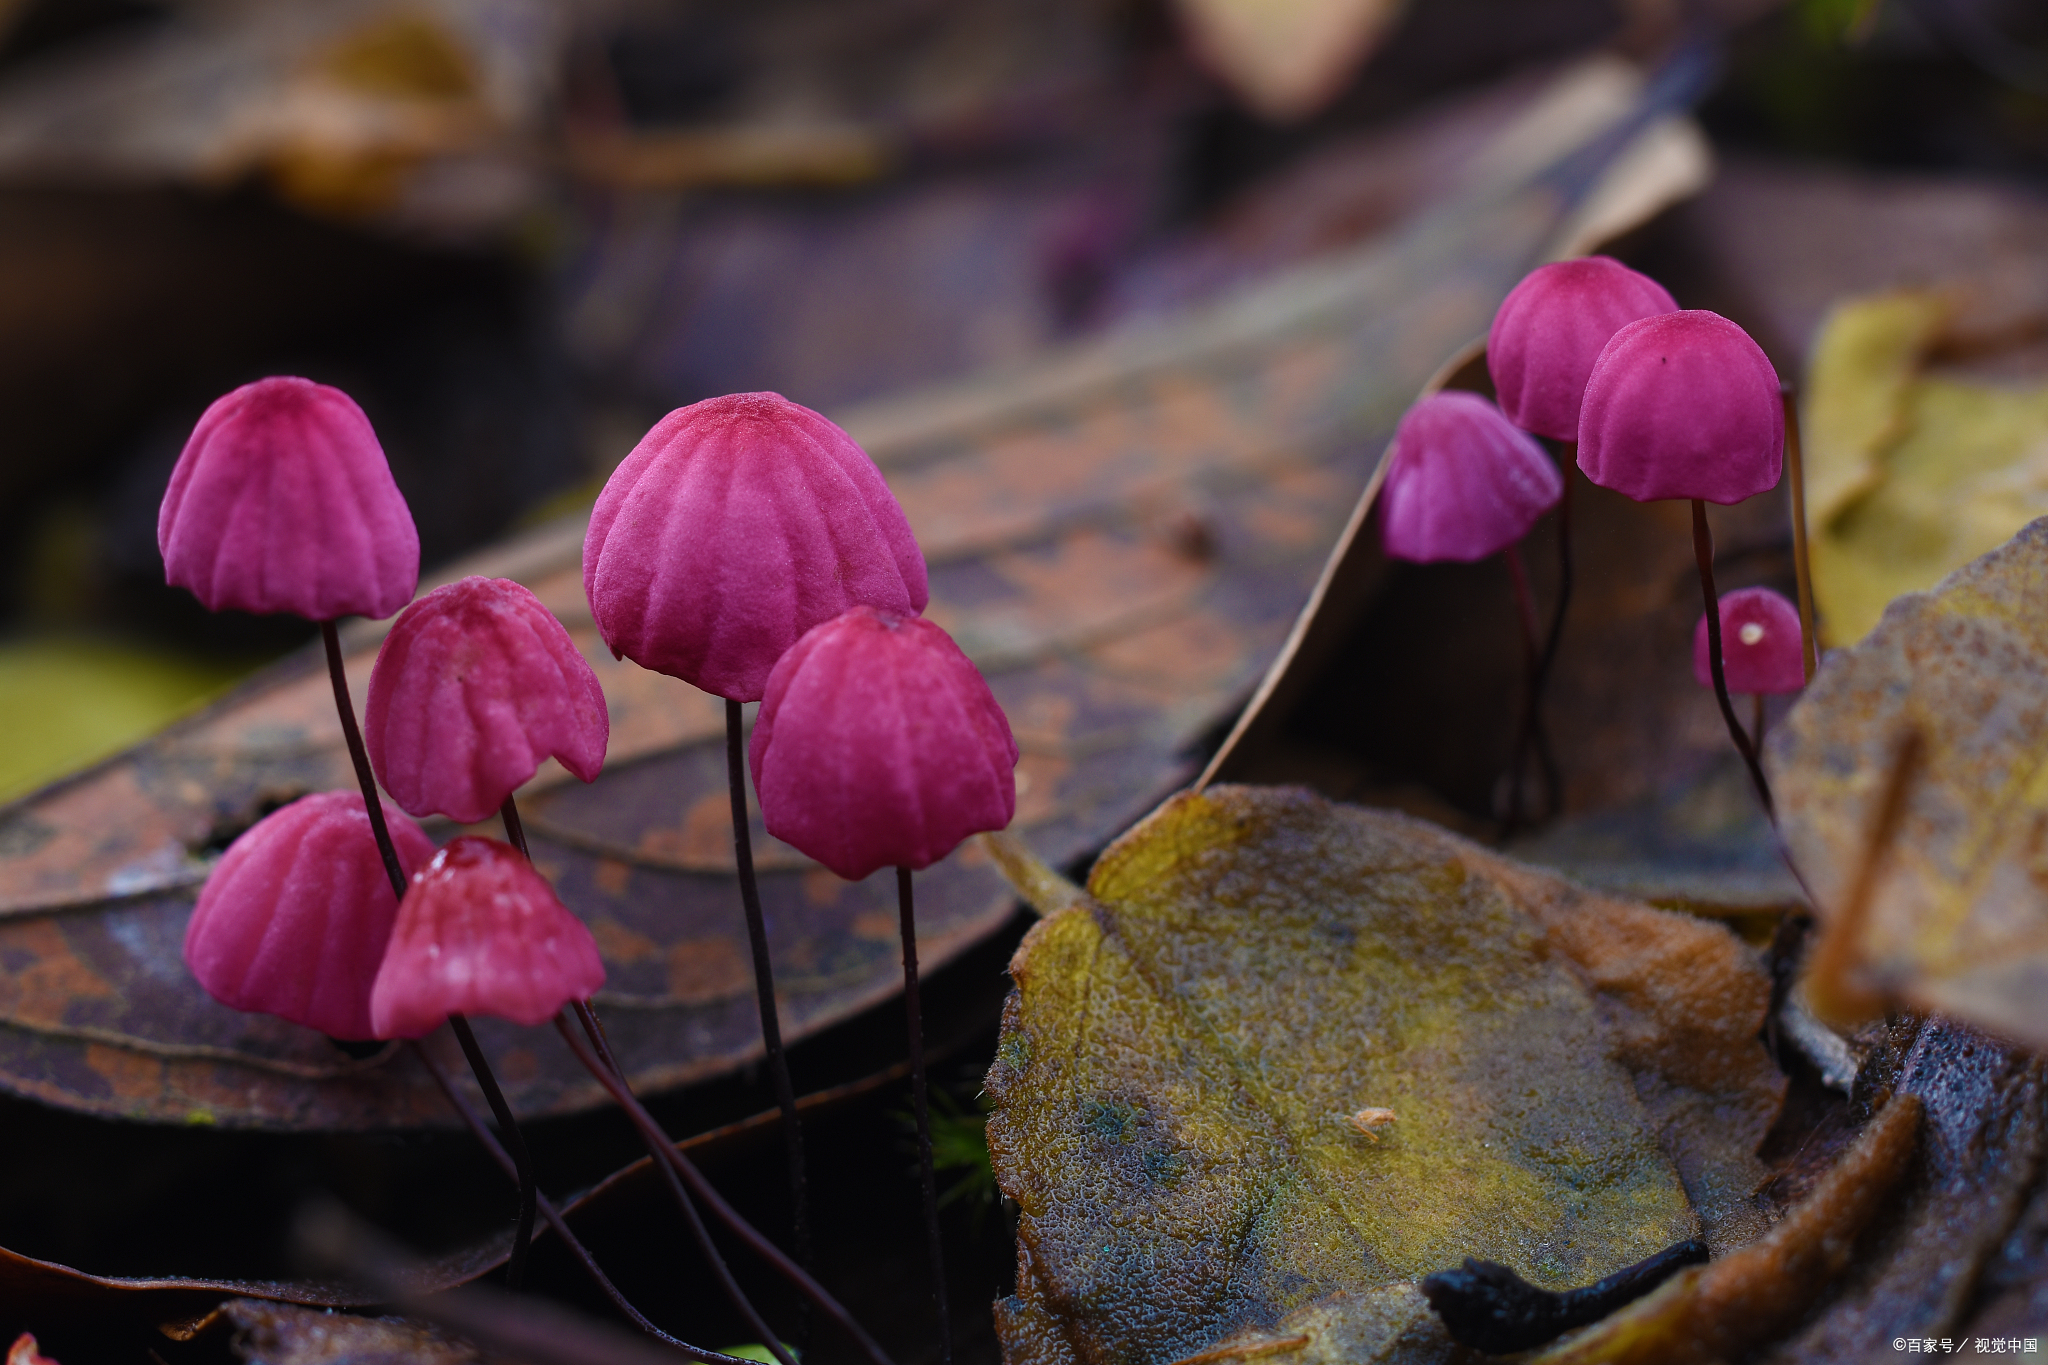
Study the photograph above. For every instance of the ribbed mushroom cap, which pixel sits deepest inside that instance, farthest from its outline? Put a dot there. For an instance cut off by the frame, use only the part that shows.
(879, 744)
(1761, 646)
(481, 932)
(735, 526)
(283, 502)
(474, 688)
(1550, 330)
(1464, 483)
(294, 919)
(1683, 405)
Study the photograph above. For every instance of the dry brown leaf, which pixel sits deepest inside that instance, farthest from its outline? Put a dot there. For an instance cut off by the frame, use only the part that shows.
(1957, 919)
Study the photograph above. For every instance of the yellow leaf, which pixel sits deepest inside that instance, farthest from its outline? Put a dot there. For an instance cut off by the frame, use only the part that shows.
(1909, 475)
(1188, 1045)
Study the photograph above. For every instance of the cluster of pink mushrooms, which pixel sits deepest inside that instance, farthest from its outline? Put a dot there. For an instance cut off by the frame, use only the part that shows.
(1651, 401)
(748, 546)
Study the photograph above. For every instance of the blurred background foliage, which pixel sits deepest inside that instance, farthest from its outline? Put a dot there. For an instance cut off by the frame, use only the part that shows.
(517, 231)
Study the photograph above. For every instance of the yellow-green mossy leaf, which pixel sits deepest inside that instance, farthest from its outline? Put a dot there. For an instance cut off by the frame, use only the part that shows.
(1185, 1052)
(1957, 920)
(1909, 475)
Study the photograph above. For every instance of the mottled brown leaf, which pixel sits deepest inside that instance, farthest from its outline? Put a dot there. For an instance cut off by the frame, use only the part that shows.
(1053, 506)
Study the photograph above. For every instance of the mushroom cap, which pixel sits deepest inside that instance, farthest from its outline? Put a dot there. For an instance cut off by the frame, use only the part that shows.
(736, 525)
(283, 502)
(1463, 483)
(1550, 330)
(474, 688)
(295, 917)
(1683, 405)
(481, 932)
(879, 744)
(1761, 646)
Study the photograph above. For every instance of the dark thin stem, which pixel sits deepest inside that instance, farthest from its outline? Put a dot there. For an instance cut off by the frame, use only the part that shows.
(668, 1156)
(1703, 551)
(554, 1217)
(1756, 720)
(514, 830)
(657, 1146)
(594, 1030)
(1553, 780)
(906, 917)
(1802, 566)
(764, 984)
(1525, 620)
(361, 758)
(529, 1189)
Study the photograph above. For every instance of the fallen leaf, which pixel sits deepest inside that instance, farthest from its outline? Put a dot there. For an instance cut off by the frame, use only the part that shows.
(1578, 1080)
(1957, 918)
(1038, 498)
(1287, 58)
(282, 1334)
(1913, 474)
(1719, 1311)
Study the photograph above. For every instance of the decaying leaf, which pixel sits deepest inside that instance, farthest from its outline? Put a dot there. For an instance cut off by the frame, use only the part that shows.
(1578, 1083)
(1957, 919)
(1052, 504)
(1911, 474)
(281, 1334)
(1719, 1311)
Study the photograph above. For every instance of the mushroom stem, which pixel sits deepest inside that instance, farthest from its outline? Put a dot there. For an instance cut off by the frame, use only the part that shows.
(1525, 622)
(1756, 720)
(515, 830)
(1553, 781)
(1795, 469)
(522, 1161)
(529, 1191)
(497, 1153)
(660, 1149)
(675, 1164)
(1703, 552)
(764, 985)
(907, 922)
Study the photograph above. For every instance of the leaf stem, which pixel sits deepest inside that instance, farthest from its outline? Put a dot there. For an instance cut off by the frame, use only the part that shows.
(1703, 552)
(907, 923)
(764, 984)
(515, 1269)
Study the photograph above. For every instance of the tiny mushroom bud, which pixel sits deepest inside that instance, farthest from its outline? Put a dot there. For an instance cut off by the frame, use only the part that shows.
(475, 686)
(294, 920)
(735, 526)
(481, 932)
(1760, 644)
(1551, 328)
(879, 744)
(1683, 405)
(283, 502)
(1464, 483)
